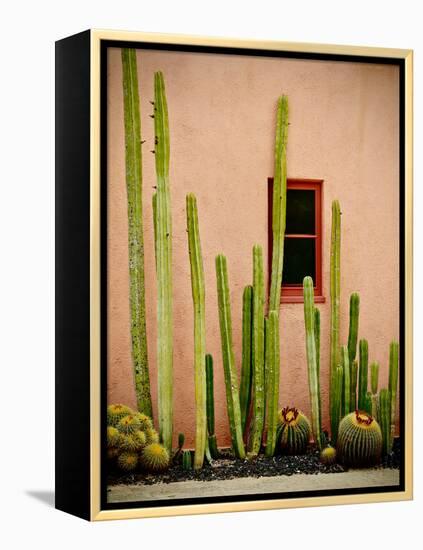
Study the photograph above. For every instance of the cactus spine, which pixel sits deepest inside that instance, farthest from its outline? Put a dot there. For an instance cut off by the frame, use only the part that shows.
(210, 407)
(133, 162)
(279, 203)
(272, 380)
(164, 265)
(385, 419)
(363, 374)
(374, 381)
(246, 367)
(393, 385)
(231, 383)
(335, 290)
(347, 381)
(258, 352)
(313, 379)
(199, 301)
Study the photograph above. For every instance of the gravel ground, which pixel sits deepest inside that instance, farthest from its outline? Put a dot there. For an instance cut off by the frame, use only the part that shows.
(227, 467)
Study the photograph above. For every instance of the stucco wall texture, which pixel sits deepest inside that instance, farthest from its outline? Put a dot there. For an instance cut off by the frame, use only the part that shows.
(343, 129)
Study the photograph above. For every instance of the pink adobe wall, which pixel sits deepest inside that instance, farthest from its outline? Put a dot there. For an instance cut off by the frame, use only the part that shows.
(343, 129)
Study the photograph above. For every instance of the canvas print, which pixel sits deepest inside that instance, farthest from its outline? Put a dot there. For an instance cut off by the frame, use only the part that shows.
(252, 264)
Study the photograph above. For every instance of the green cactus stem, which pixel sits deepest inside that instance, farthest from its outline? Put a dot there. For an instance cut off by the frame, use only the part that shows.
(313, 379)
(186, 460)
(272, 377)
(363, 373)
(257, 421)
(317, 340)
(353, 329)
(353, 385)
(178, 452)
(347, 381)
(385, 419)
(231, 382)
(279, 203)
(246, 366)
(359, 440)
(164, 266)
(335, 291)
(374, 381)
(337, 404)
(199, 302)
(210, 407)
(155, 226)
(393, 385)
(133, 163)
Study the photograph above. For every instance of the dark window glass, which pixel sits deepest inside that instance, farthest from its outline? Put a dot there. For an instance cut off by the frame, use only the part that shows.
(299, 261)
(300, 212)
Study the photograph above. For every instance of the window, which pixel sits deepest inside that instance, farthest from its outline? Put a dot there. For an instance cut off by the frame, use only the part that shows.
(303, 238)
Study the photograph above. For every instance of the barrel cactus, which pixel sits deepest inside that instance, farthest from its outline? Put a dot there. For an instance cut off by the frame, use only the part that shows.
(129, 424)
(328, 456)
(293, 432)
(113, 437)
(359, 441)
(152, 436)
(145, 421)
(127, 461)
(116, 412)
(154, 458)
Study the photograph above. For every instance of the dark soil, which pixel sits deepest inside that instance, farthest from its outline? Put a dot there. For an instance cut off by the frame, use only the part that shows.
(228, 467)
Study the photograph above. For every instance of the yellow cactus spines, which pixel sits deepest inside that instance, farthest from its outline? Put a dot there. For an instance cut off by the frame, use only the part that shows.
(328, 455)
(359, 442)
(128, 443)
(145, 421)
(129, 424)
(151, 435)
(294, 431)
(116, 412)
(113, 437)
(127, 461)
(154, 458)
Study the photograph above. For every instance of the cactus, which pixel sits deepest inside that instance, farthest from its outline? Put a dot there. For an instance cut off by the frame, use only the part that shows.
(231, 382)
(127, 461)
(116, 412)
(133, 161)
(363, 373)
(152, 436)
(313, 379)
(129, 424)
(154, 458)
(335, 290)
(328, 456)
(293, 431)
(385, 419)
(374, 381)
(246, 366)
(133, 442)
(353, 385)
(199, 301)
(210, 407)
(359, 440)
(337, 403)
(279, 204)
(178, 452)
(186, 460)
(347, 381)
(272, 377)
(144, 421)
(114, 437)
(393, 385)
(164, 265)
(317, 340)
(353, 329)
(257, 420)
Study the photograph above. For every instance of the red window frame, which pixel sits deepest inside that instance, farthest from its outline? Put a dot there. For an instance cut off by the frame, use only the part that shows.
(294, 293)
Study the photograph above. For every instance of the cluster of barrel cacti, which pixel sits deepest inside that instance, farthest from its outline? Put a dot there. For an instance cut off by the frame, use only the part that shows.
(132, 441)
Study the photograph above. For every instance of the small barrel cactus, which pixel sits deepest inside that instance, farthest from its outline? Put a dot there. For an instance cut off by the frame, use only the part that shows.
(359, 441)
(114, 437)
(293, 432)
(129, 424)
(152, 436)
(145, 421)
(328, 456)
(154, 458)
(127, 461)
(186, 460)
(116, 412)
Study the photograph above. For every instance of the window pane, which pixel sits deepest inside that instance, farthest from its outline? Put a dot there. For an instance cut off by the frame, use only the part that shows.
(300, 213)
(299, 260)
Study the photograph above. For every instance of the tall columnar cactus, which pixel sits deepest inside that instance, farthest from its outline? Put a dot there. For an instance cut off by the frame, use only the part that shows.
(363, 373)
(272, 381)
(385, 419)
(337, 404)
(164, 265)
(317, 340)
(199, 301)
(210, 407)
(279, 203)
(374, 381)
(353, 329)
(313, 379)
(231, 382)
(335, 290)
(258, 353)
(246, 366)
(347, 380)
(353, 384)
(133, 162)
(393, 385)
